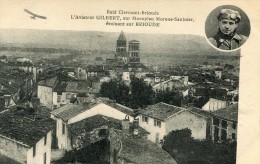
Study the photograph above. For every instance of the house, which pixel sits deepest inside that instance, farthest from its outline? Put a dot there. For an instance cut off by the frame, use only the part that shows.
(71, 113)
(16, 83)
(122, 142)
(6, 100)
(218, 73)
(214, 104)
(3, 59)
(168, 84)
(65, 90)
(81, 73)
(161, 118)
(25, 135)
(45, 91)
(224, 123)
(87, 131)
(184, 79)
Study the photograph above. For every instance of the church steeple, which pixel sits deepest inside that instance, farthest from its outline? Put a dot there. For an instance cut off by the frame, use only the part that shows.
(121, 52)
(121, 43)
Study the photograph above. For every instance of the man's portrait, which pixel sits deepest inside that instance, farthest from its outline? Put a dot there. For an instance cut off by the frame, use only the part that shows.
(227, 32)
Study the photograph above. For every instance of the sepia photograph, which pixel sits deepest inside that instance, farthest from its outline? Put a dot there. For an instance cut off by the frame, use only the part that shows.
(126, 85)
(230, 23)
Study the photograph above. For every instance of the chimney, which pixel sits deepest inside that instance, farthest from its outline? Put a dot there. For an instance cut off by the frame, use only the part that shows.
(125, 124)
(135, 126)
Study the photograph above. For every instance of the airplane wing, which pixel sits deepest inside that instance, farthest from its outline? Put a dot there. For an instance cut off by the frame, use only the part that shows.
(35, 15)
(29, 12)
(39, 16)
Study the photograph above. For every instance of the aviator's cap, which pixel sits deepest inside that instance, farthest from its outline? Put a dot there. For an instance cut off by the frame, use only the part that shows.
(229, 14)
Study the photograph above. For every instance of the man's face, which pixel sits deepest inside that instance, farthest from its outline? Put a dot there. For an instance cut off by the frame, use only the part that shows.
(227, 26)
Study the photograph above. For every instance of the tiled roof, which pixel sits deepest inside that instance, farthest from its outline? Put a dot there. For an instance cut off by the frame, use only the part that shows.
(97, 121)
(72, 86)
(49, 82)
(229, 112)
(200, 112)
(93, 122)
(69, 111)
(121, 108)
(20, 126)
(138, 150)
(161, 110)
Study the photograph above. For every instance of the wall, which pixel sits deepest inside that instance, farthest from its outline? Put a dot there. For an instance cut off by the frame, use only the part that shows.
(229, 130)
(13, 150)
(44, 93)
(101, 109)
(197, 124)
(63, 99)
(40, 150)
(126, 76)
(152, 129)
(62, 138)
(214, 104)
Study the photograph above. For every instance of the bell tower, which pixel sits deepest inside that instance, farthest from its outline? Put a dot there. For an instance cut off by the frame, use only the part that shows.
(121, 52)
(134, 51)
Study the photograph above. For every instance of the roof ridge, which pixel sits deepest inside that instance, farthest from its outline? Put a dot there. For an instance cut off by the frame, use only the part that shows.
(171, 105)
(130, 109)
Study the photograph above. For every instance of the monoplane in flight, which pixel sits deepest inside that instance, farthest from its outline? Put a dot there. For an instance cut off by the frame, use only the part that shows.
(34, 15)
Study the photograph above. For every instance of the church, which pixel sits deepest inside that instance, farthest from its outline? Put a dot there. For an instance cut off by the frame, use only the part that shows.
(127, 52)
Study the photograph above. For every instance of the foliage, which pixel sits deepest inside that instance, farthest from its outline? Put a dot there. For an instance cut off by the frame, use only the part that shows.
(141, 93)
(172, 97)
(93, 153)
(187, 150)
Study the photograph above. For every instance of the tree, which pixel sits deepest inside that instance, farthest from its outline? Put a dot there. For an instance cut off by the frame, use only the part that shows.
(141, 93)
(186, 149)
(109, 89)
(169, 96)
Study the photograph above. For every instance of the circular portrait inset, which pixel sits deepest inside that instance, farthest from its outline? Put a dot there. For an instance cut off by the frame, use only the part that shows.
(227, 27)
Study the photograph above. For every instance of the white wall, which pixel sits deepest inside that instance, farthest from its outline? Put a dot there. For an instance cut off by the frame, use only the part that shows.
(214, 104)
(40, 150)
(62, 138)
(197, 124)
(101, 109)
(44, 93)
(152, 129)
(63, 100)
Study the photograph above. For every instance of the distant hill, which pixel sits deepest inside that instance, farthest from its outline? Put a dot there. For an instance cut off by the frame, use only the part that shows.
(155, 44)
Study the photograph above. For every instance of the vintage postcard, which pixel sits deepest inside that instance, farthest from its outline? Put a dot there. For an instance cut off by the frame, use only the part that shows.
(129, 82)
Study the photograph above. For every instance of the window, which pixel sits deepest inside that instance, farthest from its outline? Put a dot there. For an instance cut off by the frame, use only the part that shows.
(223, 135)
(44, 158)
(216, 121)
(224, 124)
(157, 123)
(234, 125)
(58, 98)
(34, 150)
(45, 139)
(146, 119)
(63, 128)
(216, 136)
